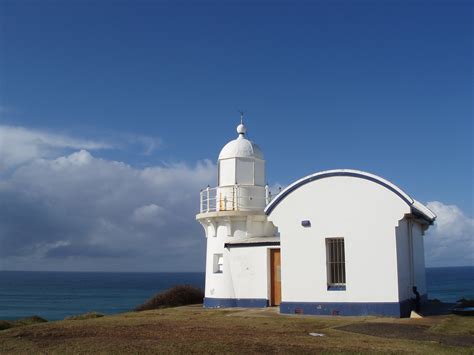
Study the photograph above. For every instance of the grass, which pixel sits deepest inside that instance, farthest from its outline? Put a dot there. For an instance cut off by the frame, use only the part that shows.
(88, 315)
(194, 329)
(7, 324)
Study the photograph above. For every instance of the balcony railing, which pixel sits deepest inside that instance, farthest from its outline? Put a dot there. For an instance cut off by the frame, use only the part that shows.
(230, 198)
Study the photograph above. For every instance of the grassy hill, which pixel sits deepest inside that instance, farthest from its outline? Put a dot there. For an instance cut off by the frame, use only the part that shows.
(194, 329)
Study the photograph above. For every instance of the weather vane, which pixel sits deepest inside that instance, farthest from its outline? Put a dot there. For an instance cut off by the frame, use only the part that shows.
(241, 116)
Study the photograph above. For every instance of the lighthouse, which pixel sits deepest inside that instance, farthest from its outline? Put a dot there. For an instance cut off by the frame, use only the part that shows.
(340, 242)
(237, 231)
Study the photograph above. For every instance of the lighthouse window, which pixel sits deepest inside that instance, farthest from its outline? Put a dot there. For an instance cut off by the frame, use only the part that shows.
(218, 263)
(336, 264)
(245, 172)
(226, 172)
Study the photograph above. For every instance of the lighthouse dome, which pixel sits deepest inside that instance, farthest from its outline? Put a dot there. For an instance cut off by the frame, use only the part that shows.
(241, 147)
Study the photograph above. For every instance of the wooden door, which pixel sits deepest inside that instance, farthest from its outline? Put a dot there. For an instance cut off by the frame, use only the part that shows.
(275, 274)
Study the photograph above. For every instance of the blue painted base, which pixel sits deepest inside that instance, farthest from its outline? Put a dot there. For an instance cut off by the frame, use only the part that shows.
(390, 309)
(235, 302)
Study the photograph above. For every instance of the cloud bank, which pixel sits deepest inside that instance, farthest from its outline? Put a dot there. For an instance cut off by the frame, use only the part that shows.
(81, 212)
(451, 240)
(76, 211)
(19, 145)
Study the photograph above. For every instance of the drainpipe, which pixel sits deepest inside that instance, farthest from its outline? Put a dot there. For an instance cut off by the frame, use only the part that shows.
(412, 266)
(410, 252)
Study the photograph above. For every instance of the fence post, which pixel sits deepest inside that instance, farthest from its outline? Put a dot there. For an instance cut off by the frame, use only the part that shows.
(208, 195)
(201, 209)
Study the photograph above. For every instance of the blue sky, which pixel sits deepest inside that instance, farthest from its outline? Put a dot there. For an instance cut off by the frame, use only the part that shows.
(380, 86)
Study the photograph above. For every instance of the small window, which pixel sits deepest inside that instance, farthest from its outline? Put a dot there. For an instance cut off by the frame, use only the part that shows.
(218, 263)
(336, 264)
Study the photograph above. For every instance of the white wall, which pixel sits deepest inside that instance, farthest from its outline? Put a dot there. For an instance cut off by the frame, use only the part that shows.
(419, 259)
(245, 271)
(405, 269)
(249, 272)
(362, 212)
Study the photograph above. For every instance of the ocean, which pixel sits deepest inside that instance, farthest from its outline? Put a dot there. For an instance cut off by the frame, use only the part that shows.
(55, 295)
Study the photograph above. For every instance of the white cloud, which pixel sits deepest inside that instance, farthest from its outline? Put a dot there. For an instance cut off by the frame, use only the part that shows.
(450, 241)
(150, 214)
(19, 145)
(149, 144)
(77, 207)
(76, 211)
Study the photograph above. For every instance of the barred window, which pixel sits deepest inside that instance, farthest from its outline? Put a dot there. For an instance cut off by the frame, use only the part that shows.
(336, 263)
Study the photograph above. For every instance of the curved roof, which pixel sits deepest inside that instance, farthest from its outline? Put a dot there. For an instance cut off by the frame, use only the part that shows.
(416, 206)
(241, 147)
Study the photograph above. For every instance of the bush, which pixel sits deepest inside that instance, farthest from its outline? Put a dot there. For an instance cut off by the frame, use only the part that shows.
(88, 315)
(466, 302)
(176, 296)
(4, 324)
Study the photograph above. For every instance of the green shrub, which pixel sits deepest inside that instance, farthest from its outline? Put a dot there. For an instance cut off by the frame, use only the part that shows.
(88, 315)
(180, 295)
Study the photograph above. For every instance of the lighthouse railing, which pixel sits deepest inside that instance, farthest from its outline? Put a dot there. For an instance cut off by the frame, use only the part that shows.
(213, 200)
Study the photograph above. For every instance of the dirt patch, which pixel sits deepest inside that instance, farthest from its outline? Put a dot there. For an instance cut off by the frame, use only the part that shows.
(409, 332)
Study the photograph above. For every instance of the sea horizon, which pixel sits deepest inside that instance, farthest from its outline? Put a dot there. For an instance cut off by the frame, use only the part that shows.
(54, 295)
(172, 272)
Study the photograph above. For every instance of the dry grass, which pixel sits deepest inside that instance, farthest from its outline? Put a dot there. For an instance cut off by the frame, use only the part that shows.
(192, 329)
(7, 324)
(88, 315)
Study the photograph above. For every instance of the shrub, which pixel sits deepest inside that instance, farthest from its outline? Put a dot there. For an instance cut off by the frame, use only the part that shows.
(4, 324)
(466, 302)
(88, 315)
(180, 295)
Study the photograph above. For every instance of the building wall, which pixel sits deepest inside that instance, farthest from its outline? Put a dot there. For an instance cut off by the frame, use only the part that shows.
(403, 267)
(248, 267)
(244, 280)
(406, 280)
(362, 212)
(419, 256)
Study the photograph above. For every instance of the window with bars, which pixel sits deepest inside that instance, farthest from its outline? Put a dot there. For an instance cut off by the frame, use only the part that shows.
(336, 264)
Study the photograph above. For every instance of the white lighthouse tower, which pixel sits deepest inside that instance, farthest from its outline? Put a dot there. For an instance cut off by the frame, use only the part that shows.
(237, 230)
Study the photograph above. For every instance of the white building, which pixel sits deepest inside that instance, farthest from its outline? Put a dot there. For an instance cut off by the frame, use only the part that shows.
(340, 242)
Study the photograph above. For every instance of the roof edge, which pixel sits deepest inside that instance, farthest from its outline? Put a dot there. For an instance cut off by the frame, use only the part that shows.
(424, 211)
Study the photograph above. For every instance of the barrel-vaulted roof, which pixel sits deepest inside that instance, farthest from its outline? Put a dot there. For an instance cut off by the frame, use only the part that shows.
(416, 207)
